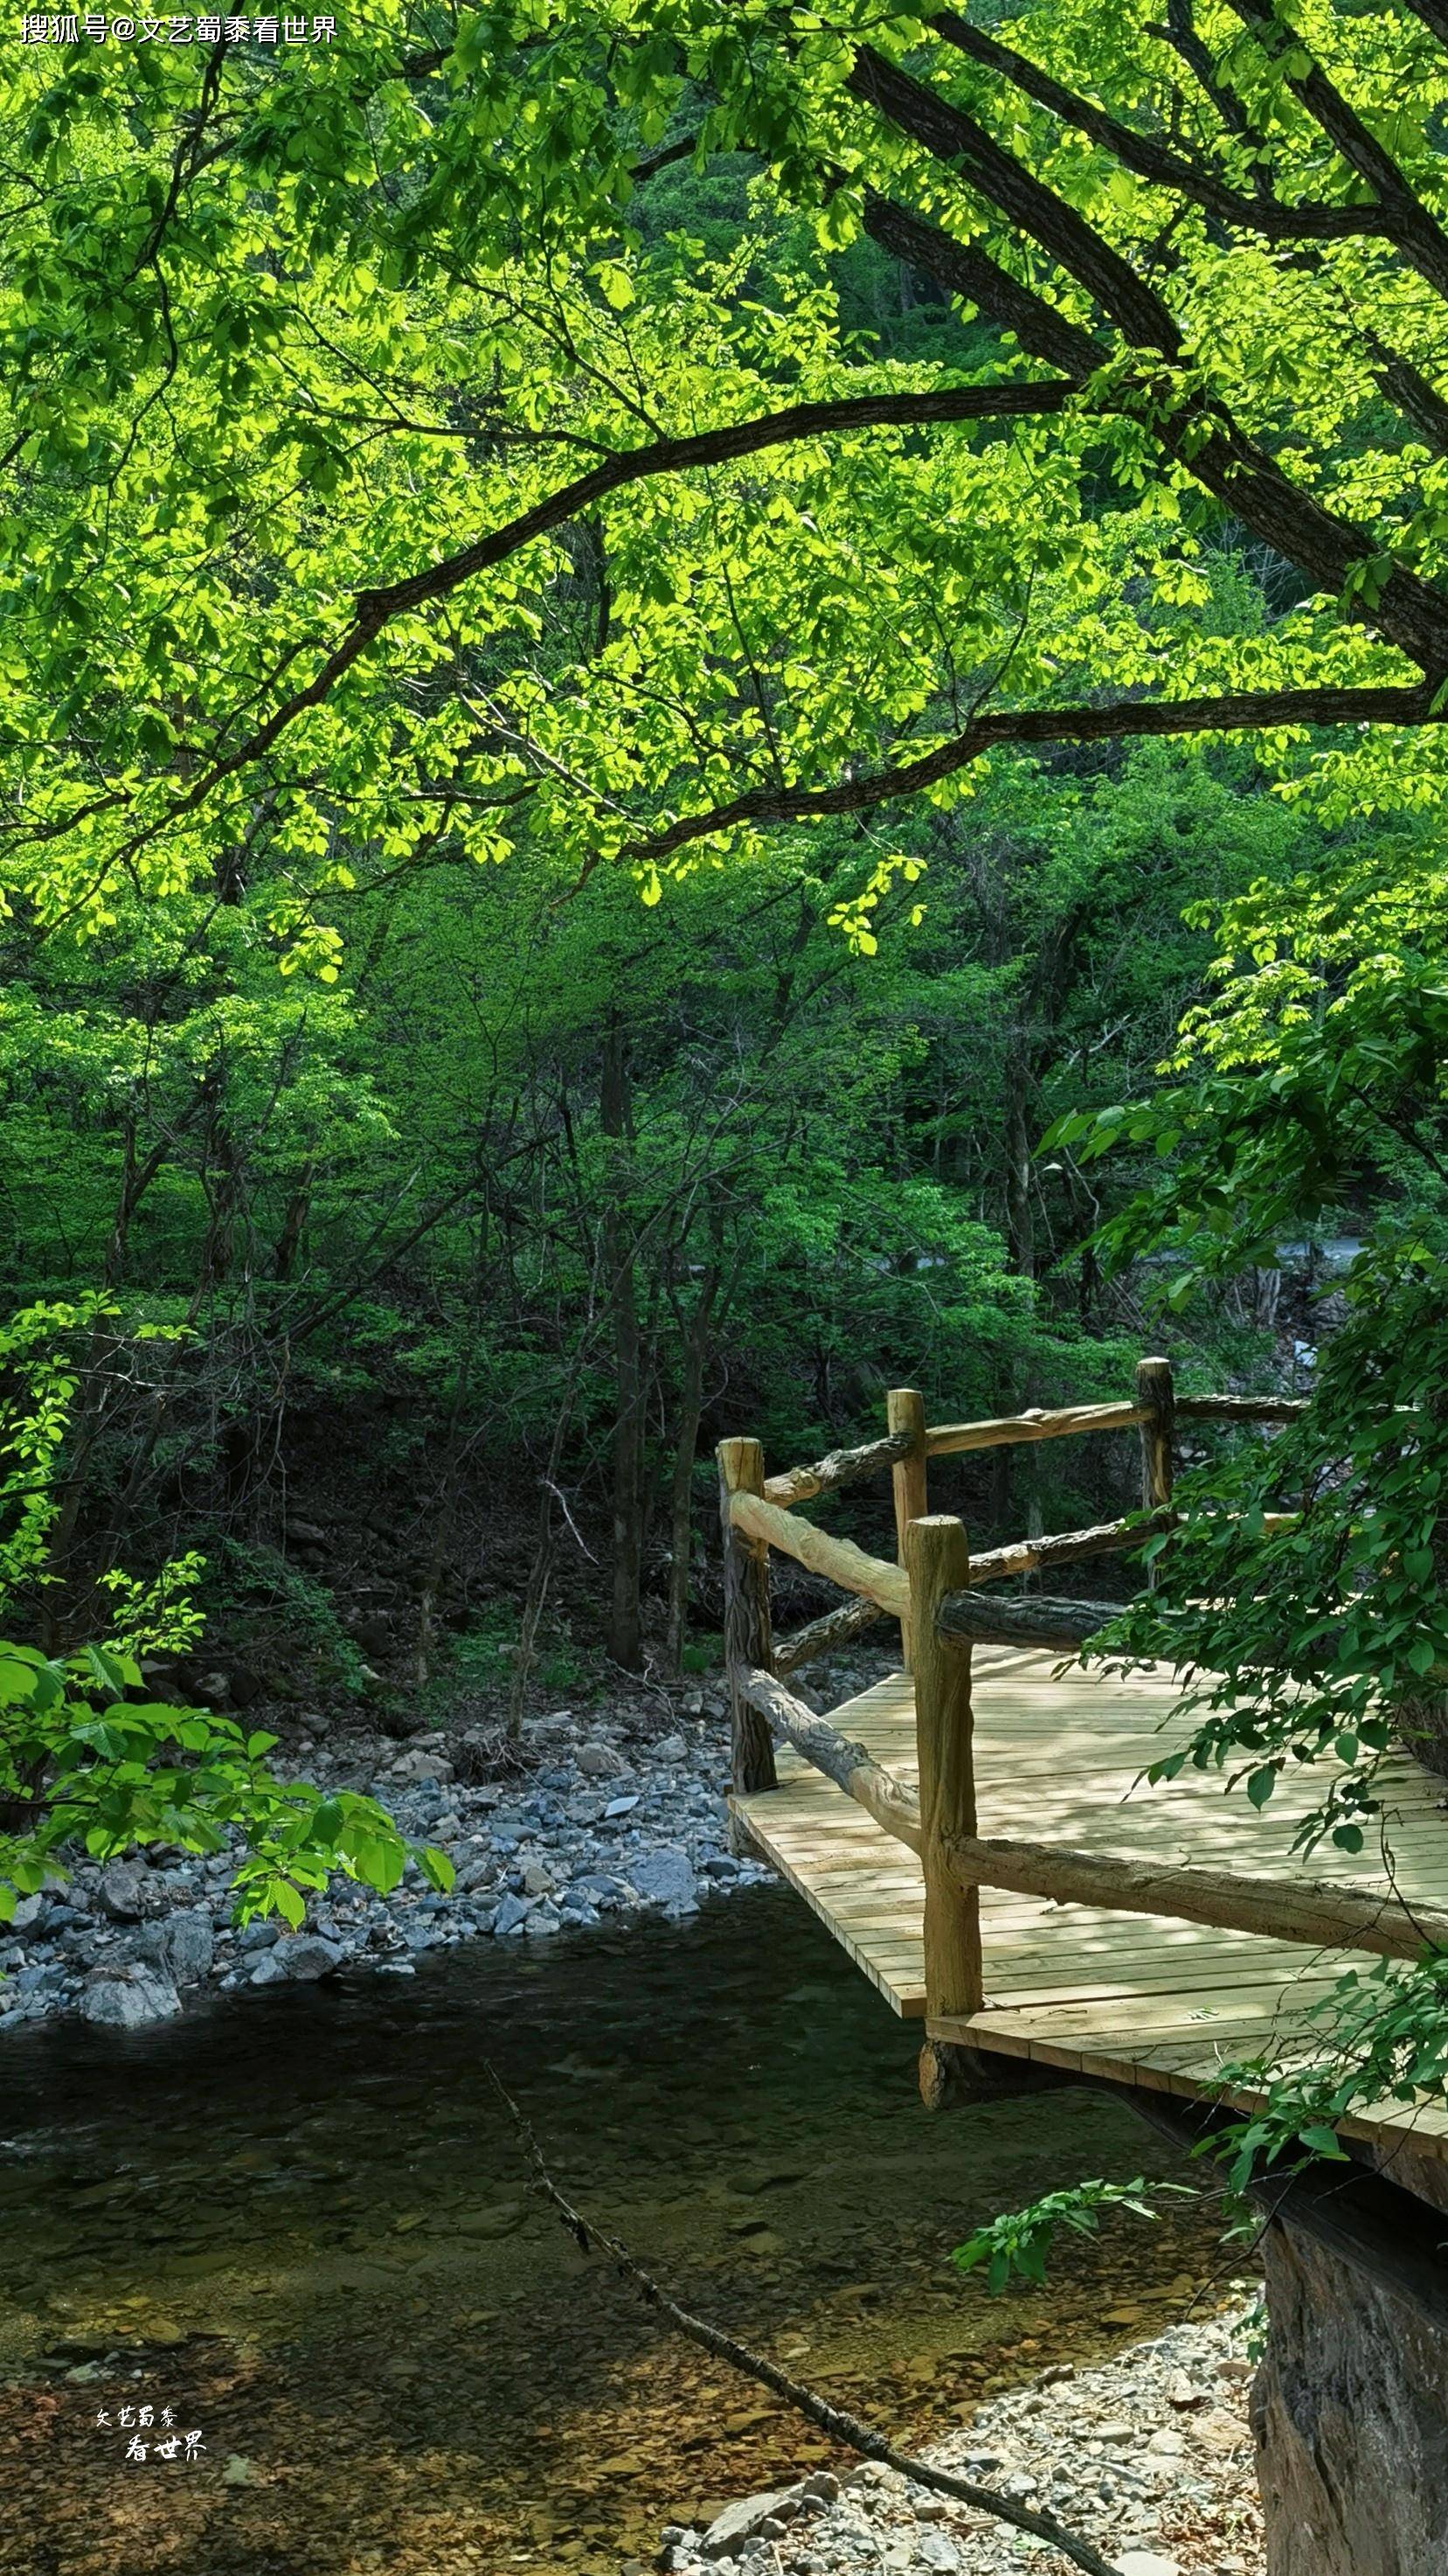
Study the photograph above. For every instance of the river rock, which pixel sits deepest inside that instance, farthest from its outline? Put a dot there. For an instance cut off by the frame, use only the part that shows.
(306, 1957)
(600, 1762)
(937, 2551)
(672, 1749)
(183, 1946)
(128, 1998)
(422, 1766)
(119, 1894)
(738, 2523)
(664, 1877)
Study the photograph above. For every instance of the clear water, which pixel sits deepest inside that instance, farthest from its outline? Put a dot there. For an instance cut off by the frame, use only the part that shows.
(300, 2219)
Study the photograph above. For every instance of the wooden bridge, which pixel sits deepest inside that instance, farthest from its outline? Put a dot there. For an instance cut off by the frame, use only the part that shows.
(975, 1830)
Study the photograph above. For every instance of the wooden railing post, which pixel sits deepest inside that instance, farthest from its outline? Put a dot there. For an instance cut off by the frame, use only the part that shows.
(747, 1637)
(937, 1554)
(905, 1413)
(1156, 1394)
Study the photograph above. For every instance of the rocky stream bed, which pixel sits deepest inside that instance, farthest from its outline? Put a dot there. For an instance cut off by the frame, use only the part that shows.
(1148, 2455)
(605, 1820)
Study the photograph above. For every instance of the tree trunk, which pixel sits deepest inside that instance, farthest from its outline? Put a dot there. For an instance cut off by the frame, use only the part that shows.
(681, 1497)
(615, 1120)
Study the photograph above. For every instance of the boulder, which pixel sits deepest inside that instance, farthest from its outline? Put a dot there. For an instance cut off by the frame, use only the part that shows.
(128, 1998)
(741, 2522)
(672, 1749)
(422, 1766)
(183, 1946)
(190, 1946)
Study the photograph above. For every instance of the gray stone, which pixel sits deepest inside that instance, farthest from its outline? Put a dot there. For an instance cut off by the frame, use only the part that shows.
(600, 1762)
(672, 1749)
(536, 1878)
(268, 1971)
(621, 1806)
(259, 1936)
(1146, 2562)
(937, 2551)
(738, 2523)
(422, 1766)
(305, 1957)
(183, 1946)
(511, 1916)
(127, 1999)
(664, 1877)
(119, 1894)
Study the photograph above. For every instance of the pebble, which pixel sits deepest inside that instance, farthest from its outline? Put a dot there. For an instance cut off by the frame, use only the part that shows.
(1178, 2507)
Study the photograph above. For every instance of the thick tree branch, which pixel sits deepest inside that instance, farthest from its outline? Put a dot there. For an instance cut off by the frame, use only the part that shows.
(1150, 160)
(1248, 712)
(1200, 435)
(734, 439)
(1405, 218)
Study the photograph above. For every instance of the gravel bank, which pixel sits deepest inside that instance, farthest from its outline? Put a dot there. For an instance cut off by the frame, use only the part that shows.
(1149, 2456)
(608, 1823)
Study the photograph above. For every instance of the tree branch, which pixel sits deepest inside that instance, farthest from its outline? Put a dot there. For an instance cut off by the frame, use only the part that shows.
(1200, 435)
(375, 609)
(1152, 161)
(1405, 218)
(834, 2420)
(1246, 712)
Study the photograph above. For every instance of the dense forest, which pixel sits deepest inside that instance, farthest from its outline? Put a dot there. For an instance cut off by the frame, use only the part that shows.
(707, 710)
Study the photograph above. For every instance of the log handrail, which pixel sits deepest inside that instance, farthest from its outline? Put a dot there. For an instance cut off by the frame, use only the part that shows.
(838, 1559)
(837, 1628)
(1313, 1913)
(1241, 1408)
(984, 1619)
(1059, 1423)
(892, 1804)
(841, 1467)
(1038, 1422)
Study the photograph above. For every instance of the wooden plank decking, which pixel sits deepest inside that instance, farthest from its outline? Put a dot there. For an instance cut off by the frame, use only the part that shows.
(1137, 1997)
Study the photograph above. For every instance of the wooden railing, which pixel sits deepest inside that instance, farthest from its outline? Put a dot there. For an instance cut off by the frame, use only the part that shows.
(932, 1589)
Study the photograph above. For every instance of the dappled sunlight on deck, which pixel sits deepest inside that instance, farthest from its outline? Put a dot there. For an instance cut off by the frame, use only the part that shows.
(1058, 1757)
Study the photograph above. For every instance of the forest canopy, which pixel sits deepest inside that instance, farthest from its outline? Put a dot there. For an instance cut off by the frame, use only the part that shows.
(640, 643)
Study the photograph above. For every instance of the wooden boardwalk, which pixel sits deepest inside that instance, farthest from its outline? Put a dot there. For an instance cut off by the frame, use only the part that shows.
(1147, 2001)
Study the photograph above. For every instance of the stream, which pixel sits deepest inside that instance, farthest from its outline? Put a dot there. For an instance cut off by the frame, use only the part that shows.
(299, 2220)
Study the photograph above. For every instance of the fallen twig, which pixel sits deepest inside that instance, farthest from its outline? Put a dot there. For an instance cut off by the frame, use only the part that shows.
(834, 2420)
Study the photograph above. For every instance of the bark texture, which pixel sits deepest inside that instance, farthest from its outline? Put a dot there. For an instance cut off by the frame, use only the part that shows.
(1350, 2414)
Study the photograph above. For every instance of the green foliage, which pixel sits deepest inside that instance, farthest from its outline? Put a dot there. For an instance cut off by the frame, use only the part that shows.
(1017, 2244)
(1381, 2036)
(481, 1658)
(258, 1590)
(87, 1761)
